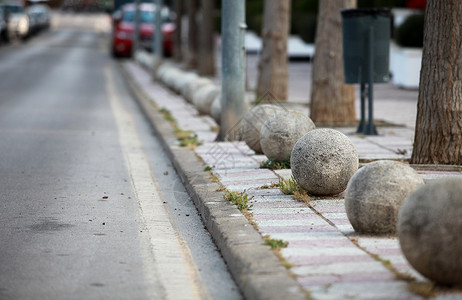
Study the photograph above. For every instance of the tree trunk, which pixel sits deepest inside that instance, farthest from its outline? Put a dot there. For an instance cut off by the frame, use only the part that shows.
(332, 101)
(192, 35)
(206, 38)
(438, 135)
(177, 46)
(272, 76)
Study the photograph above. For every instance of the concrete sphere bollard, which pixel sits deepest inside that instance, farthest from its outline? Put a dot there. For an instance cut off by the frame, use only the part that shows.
(252, 123)
(429, 230)
(215, 110)
(193, 85)
(375, 194)
(170, 76)
(281, 131)
(203, 98)
(323, 161)
(181, 81)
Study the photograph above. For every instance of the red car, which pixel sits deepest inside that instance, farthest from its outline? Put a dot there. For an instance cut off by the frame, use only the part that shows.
(124, 28)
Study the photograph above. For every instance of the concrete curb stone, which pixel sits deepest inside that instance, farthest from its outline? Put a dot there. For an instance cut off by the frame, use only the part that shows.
(255, 268)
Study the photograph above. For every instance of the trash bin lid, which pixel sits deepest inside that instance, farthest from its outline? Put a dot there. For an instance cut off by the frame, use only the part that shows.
(362, 12)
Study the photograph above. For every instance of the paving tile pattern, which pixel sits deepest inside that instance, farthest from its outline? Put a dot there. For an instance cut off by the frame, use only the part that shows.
(328, 258)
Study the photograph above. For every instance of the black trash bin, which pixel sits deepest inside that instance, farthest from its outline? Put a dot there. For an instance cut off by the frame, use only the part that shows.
(360, 25)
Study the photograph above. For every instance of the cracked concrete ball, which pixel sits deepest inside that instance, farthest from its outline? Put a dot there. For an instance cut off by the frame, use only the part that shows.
(281, 131)
(203, 98)
(375, 194)
(323, 161)
(429, 230)
(252, 123)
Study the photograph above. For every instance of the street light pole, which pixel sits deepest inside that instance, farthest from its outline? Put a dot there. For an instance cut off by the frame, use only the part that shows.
(158, 38)
(233, 29)
(136, 33)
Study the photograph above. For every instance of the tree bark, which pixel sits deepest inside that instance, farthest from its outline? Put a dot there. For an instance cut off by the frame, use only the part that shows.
(206, 38)
(332, 101)
(273, 74)
(177, 45)
(438, 134)
(192, 35)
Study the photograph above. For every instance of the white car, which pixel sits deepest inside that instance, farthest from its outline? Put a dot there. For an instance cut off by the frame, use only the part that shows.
(17, 19)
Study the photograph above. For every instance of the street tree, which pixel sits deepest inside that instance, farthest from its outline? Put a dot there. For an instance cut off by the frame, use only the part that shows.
(191, 62)
(206, 39)
(177, 42)
(332, 101)
(438, 133)
(273, 73)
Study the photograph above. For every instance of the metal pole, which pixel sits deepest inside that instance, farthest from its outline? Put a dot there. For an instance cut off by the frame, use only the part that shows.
(371, 130)
(233, 68)
(136, 33)
(158, 38)
(362, 122)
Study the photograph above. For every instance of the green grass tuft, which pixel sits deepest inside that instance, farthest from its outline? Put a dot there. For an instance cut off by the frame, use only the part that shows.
(241, 200)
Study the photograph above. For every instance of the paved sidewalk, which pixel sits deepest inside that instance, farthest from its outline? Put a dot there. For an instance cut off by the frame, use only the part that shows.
(326, 257)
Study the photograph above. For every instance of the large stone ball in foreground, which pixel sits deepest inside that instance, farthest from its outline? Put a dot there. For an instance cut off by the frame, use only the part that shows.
(375, 194)
(281, 131)
(430, 230)
(252, 123)
(323, 161)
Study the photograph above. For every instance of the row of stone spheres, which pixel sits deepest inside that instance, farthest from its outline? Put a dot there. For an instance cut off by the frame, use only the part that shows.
(383, 197)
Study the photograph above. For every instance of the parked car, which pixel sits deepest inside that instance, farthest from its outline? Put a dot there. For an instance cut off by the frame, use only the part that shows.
(39, 17)
(3, 26)
(17, 20)
(124, 28)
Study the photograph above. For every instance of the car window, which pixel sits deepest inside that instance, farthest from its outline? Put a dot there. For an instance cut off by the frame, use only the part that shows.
(14, 8)
(145, 16)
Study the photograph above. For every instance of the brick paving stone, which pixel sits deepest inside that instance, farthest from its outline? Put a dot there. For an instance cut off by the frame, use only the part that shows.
(282, 217)
(302, 236)
(319, 252)
(289, 223)
(313, 228)
(383, 290)
(280, 204)
(284, 173)
(265, 192)
(274, 198)
(301, 260)
(284, 210)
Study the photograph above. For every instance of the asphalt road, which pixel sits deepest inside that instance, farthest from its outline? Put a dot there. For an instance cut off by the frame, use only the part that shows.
(90, 207)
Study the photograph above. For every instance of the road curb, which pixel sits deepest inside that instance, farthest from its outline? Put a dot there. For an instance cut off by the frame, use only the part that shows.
(255, 268)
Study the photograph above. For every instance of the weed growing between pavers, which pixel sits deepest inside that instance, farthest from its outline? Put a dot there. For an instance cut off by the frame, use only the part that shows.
(241, 200)
(273, 164)
(275, 244)
(208, 168)
(290, 187)
(423, 289)
(270, 186)
(187, 138)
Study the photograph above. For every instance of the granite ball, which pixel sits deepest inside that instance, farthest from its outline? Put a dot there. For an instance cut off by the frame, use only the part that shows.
(252, 123)
(323, 161)
(281, 131)
(204, 96)
(215, 109)
(429, 230)
(375, 194)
